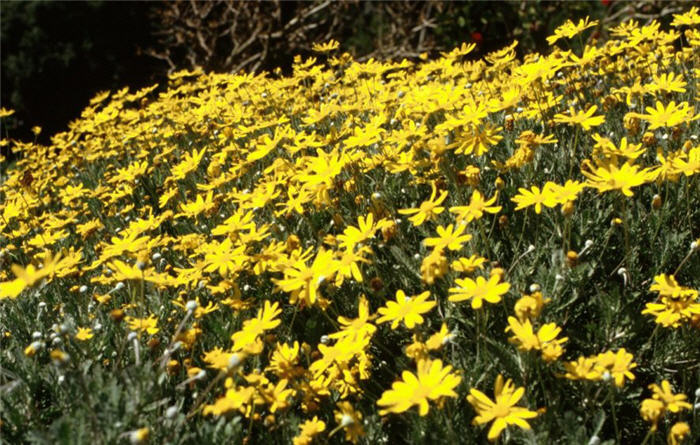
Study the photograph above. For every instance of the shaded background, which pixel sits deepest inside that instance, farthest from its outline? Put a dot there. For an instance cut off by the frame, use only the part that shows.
(55, 56)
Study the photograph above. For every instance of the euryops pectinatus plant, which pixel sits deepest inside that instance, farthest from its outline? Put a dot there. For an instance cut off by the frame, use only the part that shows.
(457, 249)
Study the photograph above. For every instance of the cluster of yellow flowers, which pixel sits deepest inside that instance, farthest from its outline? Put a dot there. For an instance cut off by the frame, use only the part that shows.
(250, 227)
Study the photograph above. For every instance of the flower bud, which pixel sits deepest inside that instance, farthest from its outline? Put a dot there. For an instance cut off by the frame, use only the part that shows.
(139, 436)
(567, 208)
(499, 183)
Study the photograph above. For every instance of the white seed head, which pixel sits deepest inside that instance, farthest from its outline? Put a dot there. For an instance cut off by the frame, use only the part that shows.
(346, 420)
(534, 287)
(119, 286)
(171, 412)
(324, 339)
(234, 361)
(191, 305)
(530, 248)
(83, 289)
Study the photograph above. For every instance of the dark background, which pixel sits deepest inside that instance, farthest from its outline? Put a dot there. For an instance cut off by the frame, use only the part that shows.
(58, 55)
(55, 56)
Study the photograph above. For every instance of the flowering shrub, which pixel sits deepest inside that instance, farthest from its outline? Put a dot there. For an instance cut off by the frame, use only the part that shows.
(355, 252)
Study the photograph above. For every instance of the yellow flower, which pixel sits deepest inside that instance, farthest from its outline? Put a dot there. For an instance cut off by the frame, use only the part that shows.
(668, 83)
(366, 228)
(284, 361)
(277, 395)
(584, 368)
(326, 47)
(432, 382)
(476, 208)
(468, 265)
(148, 325)
(672, 402)
(689, 18)
(350, 420)
(406, 309)
(545, 340)
(479, 290)
(265, 320)
(651, 411)
(502, 410)
(449, 238)
(438, 339)
(303, 282)
(428, 210)
(84, 334)
(570, 29)
(618, 365)
(584, 118)
(530, 306)
(433, 266)
(679, 431)
(678, 303)
(667, 116)
(534, 196)
(358, 327)
(308, 430)
(610, 177)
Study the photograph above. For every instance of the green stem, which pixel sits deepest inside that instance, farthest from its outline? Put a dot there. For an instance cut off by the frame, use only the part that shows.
(614, 414)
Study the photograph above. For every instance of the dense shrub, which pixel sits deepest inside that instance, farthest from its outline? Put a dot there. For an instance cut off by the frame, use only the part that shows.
(366, 252)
